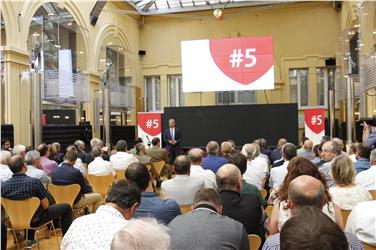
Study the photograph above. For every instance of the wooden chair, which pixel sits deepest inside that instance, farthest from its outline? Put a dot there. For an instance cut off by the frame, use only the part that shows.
(64, 194)
(345, 215)
(148, 166)
(368, 246)
(264, 193)
(373, 193)
(254, 241)
(158, 167)
(268, 211)
(185, 209)
(120, 174)
(101, 184)
(20, 213)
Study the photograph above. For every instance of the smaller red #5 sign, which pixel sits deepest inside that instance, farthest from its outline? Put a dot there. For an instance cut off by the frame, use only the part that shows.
(315, 119)
(150, 123)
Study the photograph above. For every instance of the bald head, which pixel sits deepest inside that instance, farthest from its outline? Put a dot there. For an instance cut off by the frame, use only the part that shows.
(5, 157)
(229, 178)
(195, 155)
(281, 142)
(306, 190)
(308, 145)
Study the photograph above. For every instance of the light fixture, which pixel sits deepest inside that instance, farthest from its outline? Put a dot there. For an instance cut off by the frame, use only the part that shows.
(374, 32)
(81, 52)
(66, 117)
(51, 14)
(69, 24)
(356, 25)
(36, 34)
(217, 13)
(57, 46)
(110, 43)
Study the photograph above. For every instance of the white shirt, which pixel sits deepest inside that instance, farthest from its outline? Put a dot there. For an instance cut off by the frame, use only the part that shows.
(347, 197)
(204, 174)
(100, 167)
(277, 175)
(182, 189)
(94, 231)
(353, 157)
(362, 222)
(172, 132)
(256, 172)
(367, 178)
(38, 173)
(5, 173)
(326, 170)
(121, 160)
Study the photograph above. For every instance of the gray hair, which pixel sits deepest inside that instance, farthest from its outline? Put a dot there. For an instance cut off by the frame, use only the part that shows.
(145, 233)
(95, 142)
(5, 157)
(372, 156)
(18, 149)
(251, 150)
(212, 147)
(79, 143)
(31, 156)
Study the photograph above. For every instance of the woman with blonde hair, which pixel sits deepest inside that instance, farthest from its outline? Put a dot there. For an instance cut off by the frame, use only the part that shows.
(346, 194)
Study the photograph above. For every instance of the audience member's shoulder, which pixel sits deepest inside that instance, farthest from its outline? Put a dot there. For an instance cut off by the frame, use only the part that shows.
(354, 242)
(170, 203)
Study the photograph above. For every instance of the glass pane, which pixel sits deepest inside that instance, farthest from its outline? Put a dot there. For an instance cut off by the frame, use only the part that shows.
(157, 93)
(149, 92)
(320, 81)
(181, 93)
(293, 86)
(172, 90)
(303, 87)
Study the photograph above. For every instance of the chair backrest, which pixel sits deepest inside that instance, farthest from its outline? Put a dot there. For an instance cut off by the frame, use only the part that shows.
(100, 184)
(254, 241)
(345, 215)
(64, 194)
(148, 166)
(20, 212)
(264, 193)
(120, 174)
(368, 246)
(373, 193)
(185, 209)
(268, 210)
(158, 166)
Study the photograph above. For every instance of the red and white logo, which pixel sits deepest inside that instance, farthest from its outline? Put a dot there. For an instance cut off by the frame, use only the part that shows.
(228, 64)
(314, 124)
(149, 126)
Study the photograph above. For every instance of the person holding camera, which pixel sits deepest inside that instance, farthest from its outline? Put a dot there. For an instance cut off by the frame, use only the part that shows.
(369, 135)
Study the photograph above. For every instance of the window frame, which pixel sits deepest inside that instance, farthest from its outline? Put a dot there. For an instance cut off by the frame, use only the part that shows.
(153, 94)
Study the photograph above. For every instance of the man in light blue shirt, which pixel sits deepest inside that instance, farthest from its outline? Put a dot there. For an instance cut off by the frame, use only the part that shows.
(34, 168)
(362, 158)
(213, 162)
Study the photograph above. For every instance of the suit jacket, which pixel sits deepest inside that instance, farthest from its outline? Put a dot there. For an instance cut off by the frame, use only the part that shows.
(182, 188)
(157, 154)
(245, 208)
(205, 229)
(167, 137)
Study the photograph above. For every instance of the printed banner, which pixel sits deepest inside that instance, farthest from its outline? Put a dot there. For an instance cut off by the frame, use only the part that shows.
(149, 126)
(314, 124)
(227, 64)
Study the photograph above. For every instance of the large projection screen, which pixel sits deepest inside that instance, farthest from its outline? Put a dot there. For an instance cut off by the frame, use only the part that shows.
(241, 123)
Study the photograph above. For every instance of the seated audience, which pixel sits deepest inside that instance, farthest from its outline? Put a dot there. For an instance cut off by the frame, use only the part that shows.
(122, 158)
(362, 158)
(367, 178)
(156, 152)
(183, 187)
(226, 148)
(213, 162)
(278, 174)
(22, 187)
(362, 222)
(245, 208)
(5, 172)
(352, 151)
(317, 153)
(240, 161)
(96, 231)
(308, 150)
(264, 151)
(195, 155)
(306, 194)
(95, 142)
(133, 150)
(205, 227)
(282, 212)
(141, 154)
(277, 153)
(257, 167)
(309, 228)
(301, 149)
(34, 168)
(319, 162)
(140, 234)
(78, 164)
(341, 144)
(80, 146)
(47, 164)
(66, 174)
(19, 149)
(6, 145)
(346, 194)
(99, 166)
(57, 155)
(151, 205)
(330, 150)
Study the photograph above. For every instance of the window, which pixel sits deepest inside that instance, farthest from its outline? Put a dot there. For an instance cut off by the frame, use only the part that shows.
(299, 86)
(153, 93)
(236, 97)
(325, 78)
(175, 91)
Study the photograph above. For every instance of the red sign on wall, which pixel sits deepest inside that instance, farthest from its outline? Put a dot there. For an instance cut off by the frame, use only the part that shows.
(314, 124)
(149, 126)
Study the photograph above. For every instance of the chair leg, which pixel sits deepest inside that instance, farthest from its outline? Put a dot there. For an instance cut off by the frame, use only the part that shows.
(27, 234)
(37, 231)
(53, 227)
(15, 238)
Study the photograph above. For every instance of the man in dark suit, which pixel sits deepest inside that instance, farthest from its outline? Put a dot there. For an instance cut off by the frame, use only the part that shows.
(172, 137)
(245, 208)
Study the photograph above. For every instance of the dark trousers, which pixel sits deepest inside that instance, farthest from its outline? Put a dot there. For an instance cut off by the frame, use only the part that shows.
(3, 236)
(173, 153)
(62, 211)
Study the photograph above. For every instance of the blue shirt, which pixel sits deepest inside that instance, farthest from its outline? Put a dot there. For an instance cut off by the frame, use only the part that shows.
(67, 175)
(213, 162)
(361, 165)
(152, 206)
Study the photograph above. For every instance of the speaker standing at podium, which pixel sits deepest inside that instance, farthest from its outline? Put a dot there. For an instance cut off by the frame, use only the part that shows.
(172, 137)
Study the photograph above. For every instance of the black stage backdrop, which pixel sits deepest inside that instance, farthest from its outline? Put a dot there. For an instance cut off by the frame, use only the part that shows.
(241, 123)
